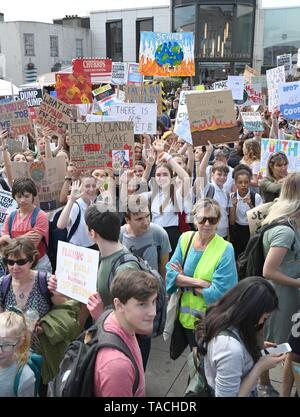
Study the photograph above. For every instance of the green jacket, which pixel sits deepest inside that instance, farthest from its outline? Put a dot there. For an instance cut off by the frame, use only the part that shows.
(60, 327)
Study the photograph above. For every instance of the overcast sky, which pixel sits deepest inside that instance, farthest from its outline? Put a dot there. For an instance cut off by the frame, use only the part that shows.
(46, 11)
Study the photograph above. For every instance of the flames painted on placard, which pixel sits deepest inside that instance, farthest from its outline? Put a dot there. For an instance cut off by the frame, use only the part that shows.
(214, 124)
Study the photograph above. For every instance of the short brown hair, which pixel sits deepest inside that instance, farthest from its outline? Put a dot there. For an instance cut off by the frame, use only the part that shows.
(135, 204)
(133, 283)
(19, 245)
(219, 166)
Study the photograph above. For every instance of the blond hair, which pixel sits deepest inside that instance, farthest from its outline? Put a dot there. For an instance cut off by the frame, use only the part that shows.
(206, 203)
(15, 326)
(252, 148)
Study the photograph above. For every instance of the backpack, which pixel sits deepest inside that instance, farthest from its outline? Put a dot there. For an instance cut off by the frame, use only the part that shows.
(198, 385)
(4, 184)
(161, 303)
(56, 234)
(35, 362)
(42, 281)
(75, 377)
(251, 261)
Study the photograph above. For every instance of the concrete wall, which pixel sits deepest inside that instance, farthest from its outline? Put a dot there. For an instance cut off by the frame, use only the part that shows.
(258, 52)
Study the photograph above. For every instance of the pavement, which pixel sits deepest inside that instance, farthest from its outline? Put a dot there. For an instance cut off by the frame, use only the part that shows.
(168, 378)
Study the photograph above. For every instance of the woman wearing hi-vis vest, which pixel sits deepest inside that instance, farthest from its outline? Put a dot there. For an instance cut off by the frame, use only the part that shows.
(209, 269)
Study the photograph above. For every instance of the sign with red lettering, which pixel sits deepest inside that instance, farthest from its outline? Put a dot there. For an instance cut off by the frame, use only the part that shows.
(252, 95)
(54, 114)
(14, 116)
(99, 69)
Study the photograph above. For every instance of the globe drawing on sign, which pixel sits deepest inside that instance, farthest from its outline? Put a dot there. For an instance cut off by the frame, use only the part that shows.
(169, 54)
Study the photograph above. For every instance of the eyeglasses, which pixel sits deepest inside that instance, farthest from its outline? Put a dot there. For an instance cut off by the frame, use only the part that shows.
(211, 220)
(19, 262)
(8, 347)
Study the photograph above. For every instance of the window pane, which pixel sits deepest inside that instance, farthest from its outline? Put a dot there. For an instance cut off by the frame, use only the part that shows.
(53, 45)
(29, 44)
(79, 48)
(114, 40)
(184, 19)
(242, 39)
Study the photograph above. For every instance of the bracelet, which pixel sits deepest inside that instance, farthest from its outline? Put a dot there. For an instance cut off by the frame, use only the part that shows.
(168, 157)
(68, 179)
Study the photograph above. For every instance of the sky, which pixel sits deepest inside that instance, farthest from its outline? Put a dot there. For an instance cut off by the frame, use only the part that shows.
(41, 11)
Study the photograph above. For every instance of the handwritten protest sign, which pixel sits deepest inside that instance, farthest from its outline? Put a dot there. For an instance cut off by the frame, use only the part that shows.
(290, 147)
(182, 124)
(33, 96)
(151, 93)
(249, 73)
(76, 271)
(74, 89)
(92, 144)
(212, 117)
(220, 85)
(7, 205)
(54, 114)
(275, 76)
(289, 100)
(14, 116)
(252, 121)
(257, 215)
(236, 85)
(98, 69)
(286, 61)
(48, 176)
(119, 73)
(133, 74)
(252, 95)
(143, 115)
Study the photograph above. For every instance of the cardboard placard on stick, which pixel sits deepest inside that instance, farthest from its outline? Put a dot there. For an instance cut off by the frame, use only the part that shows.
(257, 215)
(145, 94)
(212, 117)
(54, 114)
(252, 121)
(103, 144)
(14, 116)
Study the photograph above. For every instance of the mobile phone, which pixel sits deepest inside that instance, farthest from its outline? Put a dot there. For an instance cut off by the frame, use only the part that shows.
(278, 350)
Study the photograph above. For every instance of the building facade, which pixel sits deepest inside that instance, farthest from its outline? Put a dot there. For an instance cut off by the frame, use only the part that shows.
(33, 48)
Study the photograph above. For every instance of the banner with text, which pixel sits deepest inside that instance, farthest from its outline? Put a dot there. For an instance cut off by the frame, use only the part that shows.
(143, 115)
(220, 85)
(54, 114)
(119, 73)
(33, 96)
(252, 121)
(275, 76)
(290, 147)
(98, 69)
(182, 124)
(14, 116)
(252, 95)
(286, 61)
(289, 100)
(151, 93)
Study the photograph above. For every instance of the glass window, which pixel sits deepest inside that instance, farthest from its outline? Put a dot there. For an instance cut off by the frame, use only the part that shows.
(53, 45)
(29, 44)
(79, 48)
(142, 25)
(184, 19)
(243, 31)
(114, 40)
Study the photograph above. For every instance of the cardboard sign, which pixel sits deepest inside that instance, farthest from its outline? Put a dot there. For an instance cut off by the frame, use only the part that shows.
(167, 54)
(133, 75)
(286, 61)
(95, 145)
(53, 114)
(252, 121)
(48, 176)
(275, 76)
(14, 146)
(289, 100)
(143, 115)
(252, 95)
(212, 117)
(74, 89)
(290, 147)
(98, 69)
(151, 93)
(119, 73)
(33, 96)
(236, 85)
(76, 271)
(220, 85)
(182, 124)
(249, 73)
(7, 205)
(257, 215)
(14, 116)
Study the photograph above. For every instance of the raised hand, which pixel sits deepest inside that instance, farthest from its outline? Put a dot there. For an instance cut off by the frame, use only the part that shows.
(75, 191)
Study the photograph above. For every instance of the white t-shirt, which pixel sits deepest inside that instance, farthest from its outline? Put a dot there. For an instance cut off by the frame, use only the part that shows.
(242, 208)
(228, 184)
(80, 237)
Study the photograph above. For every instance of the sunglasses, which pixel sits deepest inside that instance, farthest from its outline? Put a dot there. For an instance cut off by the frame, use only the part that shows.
(211, 220)
(19, 262)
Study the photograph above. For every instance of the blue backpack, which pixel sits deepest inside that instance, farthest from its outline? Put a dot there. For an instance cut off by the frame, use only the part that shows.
(12, 216)
(35, 362)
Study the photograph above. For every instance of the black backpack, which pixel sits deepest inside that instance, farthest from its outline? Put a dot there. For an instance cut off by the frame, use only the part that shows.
(161, 303)
(75, 377)
(251, 261)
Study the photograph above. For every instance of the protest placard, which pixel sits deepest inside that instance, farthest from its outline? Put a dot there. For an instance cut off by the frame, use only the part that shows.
(182, 125)
(133, 74)
(7, 205)
(212, 117)
(33, 96)
(76, 271)
(74, 89)
(14, 116)
(236, 85)
(290, 147)
(167, 54)
(260, 79)
(286, 61)
(275, 76)
(143, 115)
(249, 73)
(289, 100)
(98, 69)
(151, 93)
(54, 114)
(257, 215)
(92, 144)
(48, 176)
(220, 85)
(199, 87)
(119, 73)
(252, 95)
(105, 97)
(252, 121)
